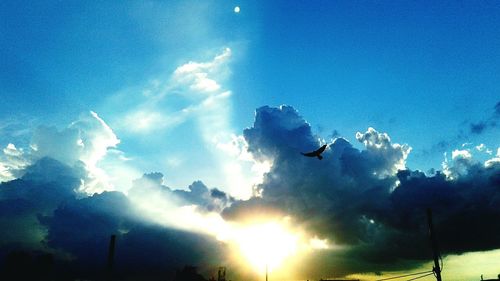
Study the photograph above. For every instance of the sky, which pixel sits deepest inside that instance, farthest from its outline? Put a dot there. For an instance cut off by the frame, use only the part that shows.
(182, 122)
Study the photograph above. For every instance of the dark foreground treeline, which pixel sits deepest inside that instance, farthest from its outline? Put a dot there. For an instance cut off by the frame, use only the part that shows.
(39, 266)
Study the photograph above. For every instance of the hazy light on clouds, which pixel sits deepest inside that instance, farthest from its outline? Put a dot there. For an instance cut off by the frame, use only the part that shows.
(310, 194)
(12, 161)
(199, 75)
(462, 160)
(195, 94)
(380, 143)
(493, 161)
(85, 141)
(196, 83)
(263, 161)
(366, 200)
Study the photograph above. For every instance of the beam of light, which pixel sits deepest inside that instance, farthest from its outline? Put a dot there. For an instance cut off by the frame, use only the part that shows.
(268, 243)
(196, 91)
(254, 243)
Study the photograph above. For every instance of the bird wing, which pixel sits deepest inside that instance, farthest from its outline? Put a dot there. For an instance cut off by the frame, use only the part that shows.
(316, 152)
(321, 149)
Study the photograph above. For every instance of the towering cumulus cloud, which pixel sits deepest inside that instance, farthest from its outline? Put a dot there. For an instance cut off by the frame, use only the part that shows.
(49, 207)
(362, 209)
(367, 201)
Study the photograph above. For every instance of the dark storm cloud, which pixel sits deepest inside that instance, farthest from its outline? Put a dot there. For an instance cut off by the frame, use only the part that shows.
(367, 199)
(156, 248)
(208, 199)
(82, 227)
(44, 211)
(43, 187)
(197, 194)
(488, 123)
(277, 132)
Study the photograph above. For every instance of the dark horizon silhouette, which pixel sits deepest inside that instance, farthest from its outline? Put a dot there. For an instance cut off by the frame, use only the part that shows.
(22, 265)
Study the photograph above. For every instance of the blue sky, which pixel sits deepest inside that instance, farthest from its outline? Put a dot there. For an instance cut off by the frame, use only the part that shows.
(177, 82)
(418, 71)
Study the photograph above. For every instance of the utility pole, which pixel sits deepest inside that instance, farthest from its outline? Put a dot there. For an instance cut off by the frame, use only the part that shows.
(266, 272)
(435, 252)
(221, 275)
(111, 256)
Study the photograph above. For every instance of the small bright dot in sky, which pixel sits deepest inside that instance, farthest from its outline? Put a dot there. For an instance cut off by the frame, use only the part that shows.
(237, 9)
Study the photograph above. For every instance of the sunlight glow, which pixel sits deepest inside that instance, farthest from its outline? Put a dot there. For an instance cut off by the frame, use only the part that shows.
(255, 242)
(266, 244)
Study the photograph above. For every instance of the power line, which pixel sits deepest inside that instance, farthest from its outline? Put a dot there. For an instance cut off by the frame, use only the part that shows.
(420, 276)
(406, 275)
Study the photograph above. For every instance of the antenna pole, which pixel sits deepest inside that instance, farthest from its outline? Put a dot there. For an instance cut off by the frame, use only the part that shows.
(435, 252)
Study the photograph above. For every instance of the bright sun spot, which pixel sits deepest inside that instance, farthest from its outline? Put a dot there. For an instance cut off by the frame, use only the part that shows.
(237, 9)
(267, 244)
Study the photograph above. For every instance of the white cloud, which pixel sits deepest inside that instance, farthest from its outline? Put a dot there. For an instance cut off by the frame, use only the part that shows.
(380, 144)
(96, 137)
(493, 161)
(5, 175)
(64, 146)
(212, 114)
(199, 76)
(458, 155)
(481, 147)
(12, 162)
(466, 144)
(195, 92)
(186, 94)
(461, 161)
(86, 141)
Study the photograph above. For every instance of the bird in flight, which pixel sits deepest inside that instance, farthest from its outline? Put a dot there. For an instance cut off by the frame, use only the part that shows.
(316, 153)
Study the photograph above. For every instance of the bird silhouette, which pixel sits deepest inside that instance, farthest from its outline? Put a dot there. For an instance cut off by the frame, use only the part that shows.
(316, 153)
